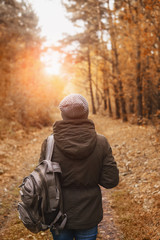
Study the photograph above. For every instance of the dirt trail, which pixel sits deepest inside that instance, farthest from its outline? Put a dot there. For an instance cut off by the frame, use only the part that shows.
(19, 155)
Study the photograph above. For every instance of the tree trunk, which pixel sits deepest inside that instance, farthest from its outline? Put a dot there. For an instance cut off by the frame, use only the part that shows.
(123, 102)
(158, 97)
(158, 85)
(116, 65)
(120, 85)
(148, 91)
(105, 102)
(138, 67)
(109, 105)
(96, 84)
(131, 104)
(106, 92)
(117, 106)
(139, 83)
(90, 83)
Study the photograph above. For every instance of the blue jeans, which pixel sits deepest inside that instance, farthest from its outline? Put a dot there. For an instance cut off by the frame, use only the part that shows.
(67, 234)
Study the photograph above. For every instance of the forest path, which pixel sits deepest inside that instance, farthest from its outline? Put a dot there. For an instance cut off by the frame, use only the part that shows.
(19, 155)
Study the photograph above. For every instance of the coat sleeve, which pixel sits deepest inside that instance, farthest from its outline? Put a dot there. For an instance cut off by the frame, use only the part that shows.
(109, 176)
(43, 151)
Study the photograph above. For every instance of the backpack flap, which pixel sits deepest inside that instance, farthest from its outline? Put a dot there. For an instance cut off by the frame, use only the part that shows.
(27, 191)
(45, 179)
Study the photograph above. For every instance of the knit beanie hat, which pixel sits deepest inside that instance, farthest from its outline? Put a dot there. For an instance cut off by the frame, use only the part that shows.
(74, 106)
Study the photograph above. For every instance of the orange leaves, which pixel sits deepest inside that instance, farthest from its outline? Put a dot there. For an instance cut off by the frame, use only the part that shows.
(148, 7)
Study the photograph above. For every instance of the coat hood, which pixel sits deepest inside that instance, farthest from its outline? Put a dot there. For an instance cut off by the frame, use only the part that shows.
(75, 138)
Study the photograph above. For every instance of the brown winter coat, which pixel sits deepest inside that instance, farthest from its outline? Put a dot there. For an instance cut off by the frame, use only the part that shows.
(87, 162)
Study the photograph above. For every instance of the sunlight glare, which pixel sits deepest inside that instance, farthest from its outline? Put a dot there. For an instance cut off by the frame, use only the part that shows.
(52, 19)
(51, 62)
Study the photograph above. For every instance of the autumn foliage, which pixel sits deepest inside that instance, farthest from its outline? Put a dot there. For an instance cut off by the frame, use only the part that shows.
(118, 55)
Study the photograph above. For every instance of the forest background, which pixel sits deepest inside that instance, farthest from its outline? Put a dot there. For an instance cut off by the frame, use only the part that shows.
(114, 61)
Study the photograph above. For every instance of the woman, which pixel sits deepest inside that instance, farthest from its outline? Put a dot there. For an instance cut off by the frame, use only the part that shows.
(86, 161)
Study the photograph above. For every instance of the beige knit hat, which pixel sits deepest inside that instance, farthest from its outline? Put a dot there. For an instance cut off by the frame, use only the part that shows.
(74, 106)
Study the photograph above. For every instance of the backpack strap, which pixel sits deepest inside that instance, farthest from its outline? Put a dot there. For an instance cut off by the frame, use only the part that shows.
(49, 147)
(61, 219)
